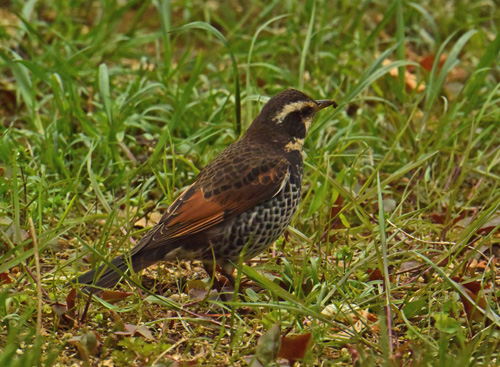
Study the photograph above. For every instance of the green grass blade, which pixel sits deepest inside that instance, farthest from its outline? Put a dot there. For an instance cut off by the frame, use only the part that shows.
(374, 72)
(107, 102)
(307, 44)
(436, 80)
(237, 99)
(476, 81)
(249, 64)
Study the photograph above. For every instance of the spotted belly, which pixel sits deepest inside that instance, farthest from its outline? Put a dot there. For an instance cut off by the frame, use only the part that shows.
(256, 229)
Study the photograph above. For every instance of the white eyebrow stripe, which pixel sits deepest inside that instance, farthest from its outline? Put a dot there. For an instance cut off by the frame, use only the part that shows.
(294, 106)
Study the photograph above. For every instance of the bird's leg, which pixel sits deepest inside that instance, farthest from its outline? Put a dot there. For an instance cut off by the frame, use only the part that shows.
(210, 269)
(227, 270)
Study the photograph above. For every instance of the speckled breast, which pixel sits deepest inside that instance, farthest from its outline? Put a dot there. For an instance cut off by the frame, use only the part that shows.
(258, 227)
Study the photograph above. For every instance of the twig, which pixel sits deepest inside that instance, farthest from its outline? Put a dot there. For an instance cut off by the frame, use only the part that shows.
(419, 239)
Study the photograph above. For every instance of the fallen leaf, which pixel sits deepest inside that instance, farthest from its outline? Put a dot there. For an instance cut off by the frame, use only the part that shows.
(374, 274)
(268, 345)
(5, 279)
(113, 296)
(438, 218)
(409, 266)
(427, 61)
(294, 347)
(71, 302)
(486, 230)
(131, 330)
(473, 290)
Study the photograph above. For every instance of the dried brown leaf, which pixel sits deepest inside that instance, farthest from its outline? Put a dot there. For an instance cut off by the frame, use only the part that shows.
(114, 296)
(5, 279)
(294, 347)
(427, 61)
(473, 290)
(71, 302)
(131, 330)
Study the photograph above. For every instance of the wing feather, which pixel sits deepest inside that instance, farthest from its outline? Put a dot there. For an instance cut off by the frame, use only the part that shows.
(202, 205)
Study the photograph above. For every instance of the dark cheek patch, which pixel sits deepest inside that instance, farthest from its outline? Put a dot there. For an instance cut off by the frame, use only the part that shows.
(294, 125)
(300, 130)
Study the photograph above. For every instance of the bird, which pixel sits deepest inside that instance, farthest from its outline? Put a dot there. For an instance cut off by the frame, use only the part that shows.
(238, 205)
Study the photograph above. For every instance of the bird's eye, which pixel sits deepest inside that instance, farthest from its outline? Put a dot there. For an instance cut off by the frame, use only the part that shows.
(306, 111)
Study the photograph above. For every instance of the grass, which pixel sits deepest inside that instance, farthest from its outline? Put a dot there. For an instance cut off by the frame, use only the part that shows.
(109, 109)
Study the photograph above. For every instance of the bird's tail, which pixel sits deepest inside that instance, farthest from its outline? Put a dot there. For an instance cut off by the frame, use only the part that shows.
(107, 277)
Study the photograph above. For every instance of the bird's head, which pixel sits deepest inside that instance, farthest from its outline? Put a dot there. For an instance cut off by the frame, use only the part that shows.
(286, 118)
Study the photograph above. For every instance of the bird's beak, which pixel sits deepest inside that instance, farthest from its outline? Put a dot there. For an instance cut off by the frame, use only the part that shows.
(324, 103)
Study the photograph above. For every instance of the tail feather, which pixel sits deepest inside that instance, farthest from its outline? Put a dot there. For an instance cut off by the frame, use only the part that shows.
(143, 255)
(108, 277)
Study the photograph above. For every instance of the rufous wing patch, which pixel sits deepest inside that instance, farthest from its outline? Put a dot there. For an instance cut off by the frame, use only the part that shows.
(192, 212)
(193, 215)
